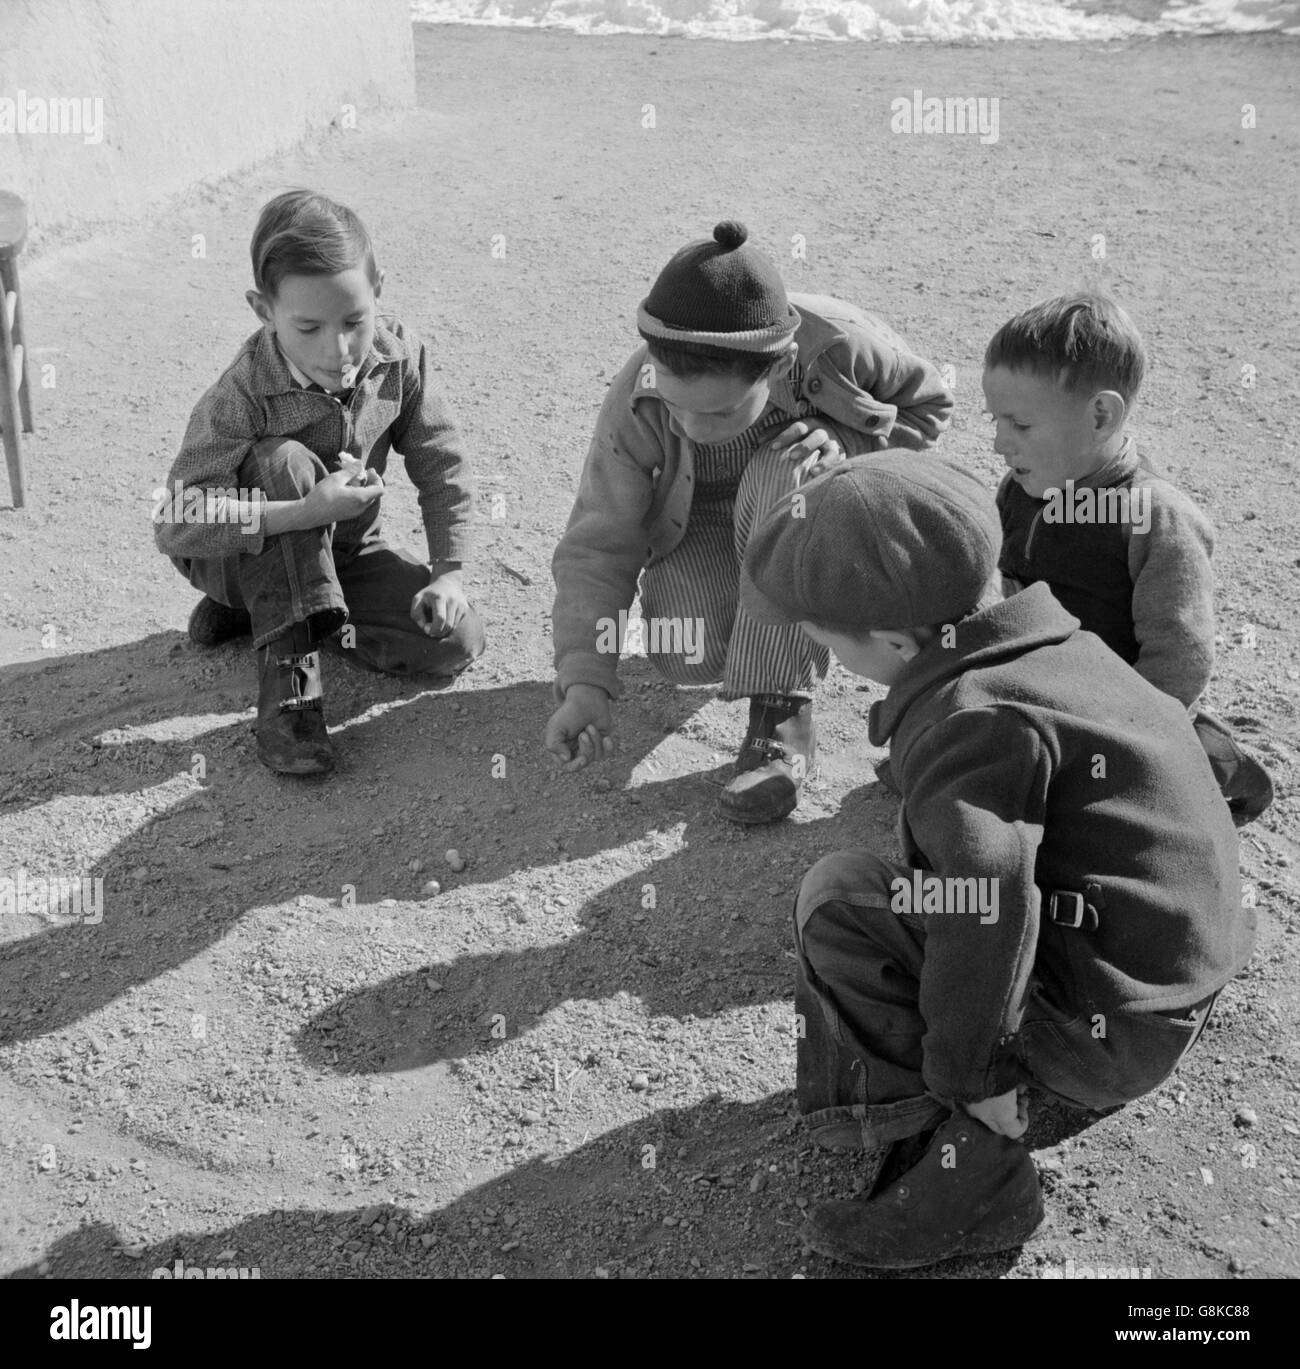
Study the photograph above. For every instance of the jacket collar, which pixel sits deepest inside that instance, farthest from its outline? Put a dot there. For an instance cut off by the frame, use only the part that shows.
(1119, 468)
(274, 374)
(1027, 620)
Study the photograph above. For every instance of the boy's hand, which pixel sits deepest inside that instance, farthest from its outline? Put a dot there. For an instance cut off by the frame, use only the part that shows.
(579, 730)
(1007, 1114)
(343, 494)
(440, 605)
(813, 450)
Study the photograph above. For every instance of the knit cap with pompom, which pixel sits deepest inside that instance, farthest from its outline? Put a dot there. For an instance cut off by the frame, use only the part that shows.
(719, 295)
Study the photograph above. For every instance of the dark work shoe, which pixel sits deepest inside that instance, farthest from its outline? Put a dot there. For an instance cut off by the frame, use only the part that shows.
(212, 623)
(774, 760)
(291, 735)
(972, 1192)
(1242, 780)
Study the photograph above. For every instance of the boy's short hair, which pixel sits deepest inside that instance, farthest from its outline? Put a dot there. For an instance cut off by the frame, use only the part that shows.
(302, 233)
(688, 363)
(1083, 342)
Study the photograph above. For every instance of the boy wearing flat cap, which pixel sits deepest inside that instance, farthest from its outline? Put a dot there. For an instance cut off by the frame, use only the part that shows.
(1070, 906)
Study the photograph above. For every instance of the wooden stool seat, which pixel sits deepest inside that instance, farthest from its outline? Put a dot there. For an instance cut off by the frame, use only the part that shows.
(15, 396)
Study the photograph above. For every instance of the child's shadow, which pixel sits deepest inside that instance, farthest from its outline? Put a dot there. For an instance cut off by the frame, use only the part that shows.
(181, 858)
(694, 931)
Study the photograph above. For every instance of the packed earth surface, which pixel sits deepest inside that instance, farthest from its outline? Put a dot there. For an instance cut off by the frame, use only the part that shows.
(274, 1051)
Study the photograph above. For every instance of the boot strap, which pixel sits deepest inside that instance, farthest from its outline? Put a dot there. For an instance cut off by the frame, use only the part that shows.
(298, 701)
(770, 747)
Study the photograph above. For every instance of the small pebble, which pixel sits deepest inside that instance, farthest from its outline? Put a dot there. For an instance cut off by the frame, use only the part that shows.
(1246, 1116)
(388, 903)
(415, 865)
(431, 888)
(528, 1116)
(454, 860)
(639, 1083)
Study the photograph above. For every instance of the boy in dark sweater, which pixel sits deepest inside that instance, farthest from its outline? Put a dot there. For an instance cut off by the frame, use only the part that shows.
(272, 506)
(1121, 547)
(1069, 906)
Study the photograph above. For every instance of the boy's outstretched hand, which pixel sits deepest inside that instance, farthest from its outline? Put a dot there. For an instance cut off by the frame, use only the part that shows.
(813, 450)
(1007, 1114)
(579, 730)
(440, 605)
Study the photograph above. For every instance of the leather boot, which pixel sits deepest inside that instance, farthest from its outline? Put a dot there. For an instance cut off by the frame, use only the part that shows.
(774, 760)
(291, 735)
(972, 1192)
(212, 623)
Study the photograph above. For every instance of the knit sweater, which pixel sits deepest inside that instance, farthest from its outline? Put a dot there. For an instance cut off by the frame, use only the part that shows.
(1149, 595)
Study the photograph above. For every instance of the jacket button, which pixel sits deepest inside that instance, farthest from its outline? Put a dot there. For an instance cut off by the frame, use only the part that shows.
(814, 385)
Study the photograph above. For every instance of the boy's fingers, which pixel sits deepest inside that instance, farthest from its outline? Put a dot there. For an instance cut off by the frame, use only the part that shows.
(791, 434)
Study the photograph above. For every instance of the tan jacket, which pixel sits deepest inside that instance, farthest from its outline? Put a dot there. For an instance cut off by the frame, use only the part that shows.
(634, 497)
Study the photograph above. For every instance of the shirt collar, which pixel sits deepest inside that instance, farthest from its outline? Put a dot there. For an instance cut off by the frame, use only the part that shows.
(276, 374)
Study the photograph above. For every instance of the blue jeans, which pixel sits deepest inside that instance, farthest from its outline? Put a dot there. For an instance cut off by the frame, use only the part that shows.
(859, 1063)
(329, 576)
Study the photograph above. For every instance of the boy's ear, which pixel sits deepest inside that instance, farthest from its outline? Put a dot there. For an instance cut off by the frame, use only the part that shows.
(1108, 412)
(257, 303)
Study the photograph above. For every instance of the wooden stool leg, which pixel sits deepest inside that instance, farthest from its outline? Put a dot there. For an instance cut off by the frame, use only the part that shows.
(9, 421)
(9, 274)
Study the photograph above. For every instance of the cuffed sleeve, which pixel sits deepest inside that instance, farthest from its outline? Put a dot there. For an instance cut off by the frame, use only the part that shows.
(977, 786)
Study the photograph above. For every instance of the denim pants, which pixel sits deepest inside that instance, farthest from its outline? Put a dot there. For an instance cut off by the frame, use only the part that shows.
(331, 575)
(859, 1063)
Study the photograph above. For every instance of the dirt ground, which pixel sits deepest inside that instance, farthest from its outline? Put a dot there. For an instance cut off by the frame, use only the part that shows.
(551, 1069)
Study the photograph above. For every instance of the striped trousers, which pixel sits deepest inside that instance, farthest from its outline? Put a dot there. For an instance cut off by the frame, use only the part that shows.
(698, 583)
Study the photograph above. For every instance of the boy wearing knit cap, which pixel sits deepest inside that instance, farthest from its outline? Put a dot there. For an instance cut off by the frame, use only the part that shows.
(737, 392)
(1069, 906)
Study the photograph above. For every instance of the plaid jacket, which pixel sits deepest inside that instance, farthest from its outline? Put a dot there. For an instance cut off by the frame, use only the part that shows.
(392, 407)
